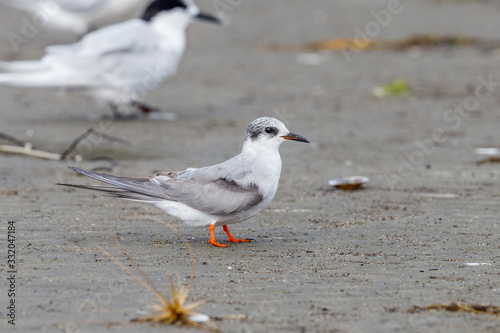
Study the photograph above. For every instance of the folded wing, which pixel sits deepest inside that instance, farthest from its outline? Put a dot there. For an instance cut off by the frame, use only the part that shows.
(202, 189)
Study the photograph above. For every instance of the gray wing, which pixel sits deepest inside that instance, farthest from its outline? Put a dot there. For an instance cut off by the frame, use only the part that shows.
(214, 189)
(220, 196)
(207, 192)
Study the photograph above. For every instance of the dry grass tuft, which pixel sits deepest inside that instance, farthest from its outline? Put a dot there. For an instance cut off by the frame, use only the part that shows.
(173, 311)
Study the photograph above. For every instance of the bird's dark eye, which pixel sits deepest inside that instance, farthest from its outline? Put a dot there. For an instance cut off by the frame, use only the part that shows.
(269, 129)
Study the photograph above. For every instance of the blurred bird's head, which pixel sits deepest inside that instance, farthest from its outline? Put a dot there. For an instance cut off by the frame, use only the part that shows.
(185, 9)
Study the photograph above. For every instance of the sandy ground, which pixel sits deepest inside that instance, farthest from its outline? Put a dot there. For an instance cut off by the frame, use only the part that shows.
(322, 260)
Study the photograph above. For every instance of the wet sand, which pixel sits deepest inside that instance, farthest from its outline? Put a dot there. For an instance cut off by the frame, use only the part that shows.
(322, 260)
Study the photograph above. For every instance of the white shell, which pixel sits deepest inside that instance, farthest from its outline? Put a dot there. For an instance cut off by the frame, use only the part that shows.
(199, 318)
(351, 182)
(488, 151)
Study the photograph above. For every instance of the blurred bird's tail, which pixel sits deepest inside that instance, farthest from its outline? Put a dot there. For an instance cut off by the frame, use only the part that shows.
(43, 79)
(21, 66)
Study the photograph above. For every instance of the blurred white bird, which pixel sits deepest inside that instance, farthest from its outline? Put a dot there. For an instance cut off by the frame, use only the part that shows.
(118, 64)
(221, 194)
(80, 16)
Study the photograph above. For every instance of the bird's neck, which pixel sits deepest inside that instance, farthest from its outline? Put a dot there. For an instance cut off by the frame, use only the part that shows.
(172, 26)
(266, 160)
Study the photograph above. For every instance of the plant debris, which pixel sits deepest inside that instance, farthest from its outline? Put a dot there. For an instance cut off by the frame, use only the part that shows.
(492, 159)
(26, 148)
(424, 40)
(398, 87)
(358, 45)
(459, 307)
(169, 312)
(174, 311)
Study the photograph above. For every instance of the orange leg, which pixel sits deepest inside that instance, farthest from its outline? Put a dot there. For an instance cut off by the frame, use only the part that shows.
(212, 238)
(231, 238)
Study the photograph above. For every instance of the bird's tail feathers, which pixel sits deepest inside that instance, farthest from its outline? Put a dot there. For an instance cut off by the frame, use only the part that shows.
(137, 189)
(116, 192)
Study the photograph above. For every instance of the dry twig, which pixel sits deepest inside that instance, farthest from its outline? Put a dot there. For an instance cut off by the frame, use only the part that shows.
(26, 148)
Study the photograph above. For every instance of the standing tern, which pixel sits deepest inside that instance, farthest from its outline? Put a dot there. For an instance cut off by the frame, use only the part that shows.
(80, 16)
(221, 194)
(118, 64)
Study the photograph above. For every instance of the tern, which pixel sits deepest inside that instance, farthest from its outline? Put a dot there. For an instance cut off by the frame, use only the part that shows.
(80, 16)
(221, 194)
(118, 64)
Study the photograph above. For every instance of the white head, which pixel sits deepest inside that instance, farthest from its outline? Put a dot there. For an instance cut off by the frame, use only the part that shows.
(268, 133)
(180, 11)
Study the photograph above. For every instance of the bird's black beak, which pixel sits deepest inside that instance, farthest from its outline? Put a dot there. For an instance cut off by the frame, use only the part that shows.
(295, 137)
(208, 17)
